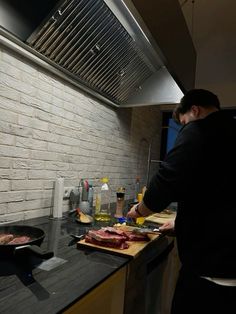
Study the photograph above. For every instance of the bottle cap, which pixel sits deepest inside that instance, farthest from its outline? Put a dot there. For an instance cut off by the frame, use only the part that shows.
(120, 190)
(105, 180)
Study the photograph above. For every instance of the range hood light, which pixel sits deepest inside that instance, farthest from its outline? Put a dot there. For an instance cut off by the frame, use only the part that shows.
(95, 50)
(121, 73)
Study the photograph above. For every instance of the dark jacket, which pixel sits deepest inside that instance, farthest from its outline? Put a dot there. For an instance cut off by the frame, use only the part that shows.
(200, 174)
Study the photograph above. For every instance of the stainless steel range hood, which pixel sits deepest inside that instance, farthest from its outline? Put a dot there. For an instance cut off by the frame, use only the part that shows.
(112, 49)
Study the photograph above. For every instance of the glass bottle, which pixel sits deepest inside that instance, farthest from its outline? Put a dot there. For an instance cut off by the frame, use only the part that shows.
(90, 196)
(102, 207)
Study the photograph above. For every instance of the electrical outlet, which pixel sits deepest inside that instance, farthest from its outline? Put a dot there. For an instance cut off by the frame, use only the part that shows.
(67, 191)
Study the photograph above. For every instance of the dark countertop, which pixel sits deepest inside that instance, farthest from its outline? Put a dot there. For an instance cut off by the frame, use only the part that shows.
(26, 288)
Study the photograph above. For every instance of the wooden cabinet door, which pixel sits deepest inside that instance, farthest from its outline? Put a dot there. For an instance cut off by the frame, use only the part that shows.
(107, 298)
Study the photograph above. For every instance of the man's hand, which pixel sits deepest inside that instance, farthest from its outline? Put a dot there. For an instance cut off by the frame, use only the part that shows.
(139, 210)
(132, 213)
(168, 227)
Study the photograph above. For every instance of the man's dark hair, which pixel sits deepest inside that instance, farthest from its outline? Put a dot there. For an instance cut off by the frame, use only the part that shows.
(197, 97)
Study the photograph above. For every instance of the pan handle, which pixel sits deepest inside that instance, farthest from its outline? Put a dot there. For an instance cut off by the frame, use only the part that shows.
(36, 250)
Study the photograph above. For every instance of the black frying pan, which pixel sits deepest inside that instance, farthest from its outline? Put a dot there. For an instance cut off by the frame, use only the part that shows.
(36, 236)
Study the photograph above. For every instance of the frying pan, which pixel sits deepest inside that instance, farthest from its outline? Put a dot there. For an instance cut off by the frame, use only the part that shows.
(36, 236)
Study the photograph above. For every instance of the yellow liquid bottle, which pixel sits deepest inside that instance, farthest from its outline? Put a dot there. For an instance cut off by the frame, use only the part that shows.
(140, 220)
(102, 207)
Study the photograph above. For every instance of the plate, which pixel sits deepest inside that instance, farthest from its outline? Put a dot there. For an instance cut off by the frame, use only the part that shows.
(84, 223)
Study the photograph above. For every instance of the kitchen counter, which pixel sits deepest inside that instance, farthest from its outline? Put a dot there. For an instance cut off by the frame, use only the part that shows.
(26, 288)
(31, 285)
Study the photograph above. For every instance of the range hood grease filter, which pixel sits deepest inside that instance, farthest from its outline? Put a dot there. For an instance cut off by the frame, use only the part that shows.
(85, 38)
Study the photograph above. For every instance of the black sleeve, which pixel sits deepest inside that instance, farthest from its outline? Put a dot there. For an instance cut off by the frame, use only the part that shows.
(177, 170)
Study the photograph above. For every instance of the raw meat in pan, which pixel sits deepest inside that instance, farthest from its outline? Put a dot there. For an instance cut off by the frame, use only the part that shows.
(19, 240)
(5, 238)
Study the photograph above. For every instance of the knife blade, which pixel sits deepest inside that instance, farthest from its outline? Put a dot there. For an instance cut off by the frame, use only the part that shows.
(147, 230)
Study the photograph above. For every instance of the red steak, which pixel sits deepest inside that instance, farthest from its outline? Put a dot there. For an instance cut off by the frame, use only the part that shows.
(101, 235)
(115, 231)
(117, 244)
(114, 238)
(131, 236)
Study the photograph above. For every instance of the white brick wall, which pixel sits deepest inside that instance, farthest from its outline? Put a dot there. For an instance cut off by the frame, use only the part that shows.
(49, 129)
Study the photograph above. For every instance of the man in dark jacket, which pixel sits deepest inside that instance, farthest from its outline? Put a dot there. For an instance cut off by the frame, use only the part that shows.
(199, 173)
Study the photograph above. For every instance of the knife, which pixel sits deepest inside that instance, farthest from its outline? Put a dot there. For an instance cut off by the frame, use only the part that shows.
(147, 230)
(75, 239)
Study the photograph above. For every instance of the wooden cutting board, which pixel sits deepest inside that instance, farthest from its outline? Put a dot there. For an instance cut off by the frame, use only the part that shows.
(161, 218)
(135, 247)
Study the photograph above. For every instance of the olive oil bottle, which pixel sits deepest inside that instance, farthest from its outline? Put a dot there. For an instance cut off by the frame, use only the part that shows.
(102, 206)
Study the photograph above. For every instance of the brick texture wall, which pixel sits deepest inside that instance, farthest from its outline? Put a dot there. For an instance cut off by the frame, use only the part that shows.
(50, 129)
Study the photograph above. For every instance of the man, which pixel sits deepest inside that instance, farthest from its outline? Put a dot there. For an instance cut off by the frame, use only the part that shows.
(199, 173)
